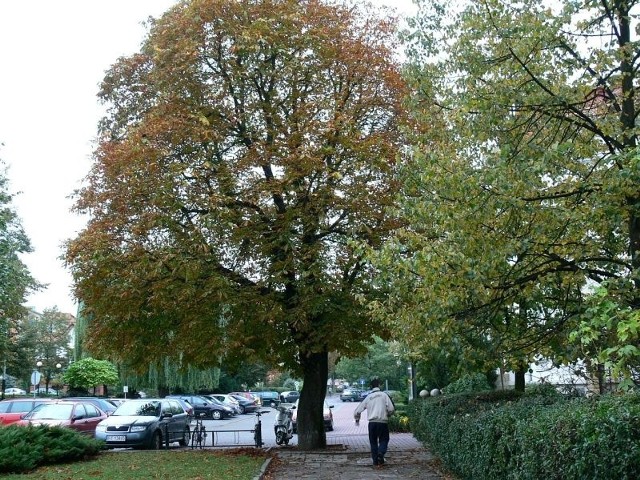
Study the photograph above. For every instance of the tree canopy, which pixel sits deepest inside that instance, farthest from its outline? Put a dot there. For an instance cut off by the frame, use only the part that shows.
(90, 373)
(524, 190)
(380, 361)
(246, 147)
(16, 282)
(50, 334)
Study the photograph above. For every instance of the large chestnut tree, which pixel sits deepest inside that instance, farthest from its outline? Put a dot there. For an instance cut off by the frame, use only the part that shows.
(246, 149)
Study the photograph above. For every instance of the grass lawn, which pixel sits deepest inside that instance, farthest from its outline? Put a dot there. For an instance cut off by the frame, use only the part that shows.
(241, 464)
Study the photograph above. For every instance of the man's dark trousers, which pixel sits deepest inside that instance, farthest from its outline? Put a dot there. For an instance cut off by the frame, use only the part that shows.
(379, 440)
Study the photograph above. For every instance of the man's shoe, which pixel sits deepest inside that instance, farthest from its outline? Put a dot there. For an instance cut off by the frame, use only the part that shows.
(380, 460)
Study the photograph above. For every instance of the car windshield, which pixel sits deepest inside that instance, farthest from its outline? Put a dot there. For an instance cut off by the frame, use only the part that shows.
(140, 409)
(51, 411)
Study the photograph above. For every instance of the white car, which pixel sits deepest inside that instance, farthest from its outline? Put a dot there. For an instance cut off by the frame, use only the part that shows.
(14, 391)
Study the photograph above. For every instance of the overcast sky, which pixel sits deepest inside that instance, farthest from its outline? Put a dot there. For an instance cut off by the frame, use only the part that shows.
(53, 56)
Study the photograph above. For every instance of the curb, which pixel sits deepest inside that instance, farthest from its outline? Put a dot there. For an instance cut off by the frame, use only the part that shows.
(263, 469)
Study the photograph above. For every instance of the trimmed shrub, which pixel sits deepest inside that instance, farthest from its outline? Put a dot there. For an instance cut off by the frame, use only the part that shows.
(506, 435)
(25, 448)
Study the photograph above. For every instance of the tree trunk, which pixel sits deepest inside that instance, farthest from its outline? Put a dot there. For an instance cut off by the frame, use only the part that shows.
(600, 376)
(520, 379)
(310, 423)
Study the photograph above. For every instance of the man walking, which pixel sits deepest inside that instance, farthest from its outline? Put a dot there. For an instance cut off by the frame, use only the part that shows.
(378, 406)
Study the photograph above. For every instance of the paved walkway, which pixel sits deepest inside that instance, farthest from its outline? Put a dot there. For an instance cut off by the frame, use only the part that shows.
(347, 457)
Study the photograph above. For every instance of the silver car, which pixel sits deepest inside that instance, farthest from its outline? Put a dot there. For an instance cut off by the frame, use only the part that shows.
(145, 423)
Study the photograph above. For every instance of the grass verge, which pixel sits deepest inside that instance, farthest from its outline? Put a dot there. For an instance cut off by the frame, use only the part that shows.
(240, 464)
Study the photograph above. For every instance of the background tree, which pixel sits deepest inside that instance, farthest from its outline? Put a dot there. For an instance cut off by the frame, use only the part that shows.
(526, 191)
(50, 333)
(245, 147)
(90, 373)
(16, 281)
(380, 361)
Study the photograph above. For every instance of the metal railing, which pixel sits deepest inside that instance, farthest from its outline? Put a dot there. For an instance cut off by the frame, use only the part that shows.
(234, 437)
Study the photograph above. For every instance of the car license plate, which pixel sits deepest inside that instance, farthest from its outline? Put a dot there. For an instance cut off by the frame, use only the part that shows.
(116, 438)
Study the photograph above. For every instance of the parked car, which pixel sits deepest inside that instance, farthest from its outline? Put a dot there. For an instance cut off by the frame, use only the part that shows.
(205, 407)
(13, 391)
(45, 391)
(81, 416)
(230, 411)
(364, 393)
(290, 396)
(102, 403)
(11, 411)
(228, 400)
(249, 396)
(327, 415)
(246, 405)
(271, 399)
(187, 407)
(350, 395)
(142, 423)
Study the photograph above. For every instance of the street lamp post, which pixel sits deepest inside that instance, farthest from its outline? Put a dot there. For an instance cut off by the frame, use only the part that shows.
(413, 394)
(58, 367)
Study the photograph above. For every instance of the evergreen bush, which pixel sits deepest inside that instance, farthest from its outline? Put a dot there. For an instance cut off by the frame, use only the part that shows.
(25, 448)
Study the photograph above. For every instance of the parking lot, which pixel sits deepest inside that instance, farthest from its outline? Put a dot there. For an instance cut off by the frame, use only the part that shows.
(237, 431)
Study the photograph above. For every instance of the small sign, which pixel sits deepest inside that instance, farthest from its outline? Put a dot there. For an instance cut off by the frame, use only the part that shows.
(35, 378)
(125, 389)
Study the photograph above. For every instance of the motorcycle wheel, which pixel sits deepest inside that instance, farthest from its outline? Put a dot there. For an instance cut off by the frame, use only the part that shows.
(280, 437)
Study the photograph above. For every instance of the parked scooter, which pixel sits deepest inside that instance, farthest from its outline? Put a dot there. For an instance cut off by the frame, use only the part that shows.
(283, 425)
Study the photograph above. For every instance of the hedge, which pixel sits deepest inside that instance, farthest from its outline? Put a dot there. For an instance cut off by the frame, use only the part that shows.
(506, 435)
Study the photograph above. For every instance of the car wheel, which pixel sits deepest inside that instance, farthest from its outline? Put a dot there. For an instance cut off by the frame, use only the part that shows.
(186, 435)
(242, 409)
(216, 414)
(273, 404)
(156, 441)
